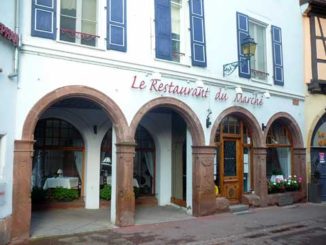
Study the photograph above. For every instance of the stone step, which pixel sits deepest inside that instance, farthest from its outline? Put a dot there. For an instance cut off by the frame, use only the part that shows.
(239, 208)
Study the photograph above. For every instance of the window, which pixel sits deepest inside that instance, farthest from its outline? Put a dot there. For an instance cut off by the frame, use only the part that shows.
(279, 150)
(171, 27)
(176, 6)
(78, 21)
(256, 67)
(258, 63)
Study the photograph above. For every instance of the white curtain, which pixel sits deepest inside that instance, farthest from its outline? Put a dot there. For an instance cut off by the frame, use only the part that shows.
(68, 4)
(284, 159)
(79, 162)
(89, 17)
(149, 162)
(37, 172)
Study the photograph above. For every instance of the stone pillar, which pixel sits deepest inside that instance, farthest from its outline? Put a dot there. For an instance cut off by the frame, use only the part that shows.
(21, 217)
(203, 180)
(299, 168)
(125, 197)
(259, 172)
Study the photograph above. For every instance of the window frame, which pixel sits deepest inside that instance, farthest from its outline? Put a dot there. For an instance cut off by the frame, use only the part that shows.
(185, 46)
(255, 72)
(282, 145)
(78, 29)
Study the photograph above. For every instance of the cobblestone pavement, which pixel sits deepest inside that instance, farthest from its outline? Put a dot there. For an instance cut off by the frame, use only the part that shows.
(296, 225)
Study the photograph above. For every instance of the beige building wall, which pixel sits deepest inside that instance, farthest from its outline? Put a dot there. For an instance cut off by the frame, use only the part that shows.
(315, 104)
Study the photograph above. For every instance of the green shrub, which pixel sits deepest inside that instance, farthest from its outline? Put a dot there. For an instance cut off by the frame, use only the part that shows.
(136, 191)
(64, 194)
(105, 192)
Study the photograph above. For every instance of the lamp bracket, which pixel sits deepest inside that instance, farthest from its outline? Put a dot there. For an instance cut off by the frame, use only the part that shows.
(229, 68)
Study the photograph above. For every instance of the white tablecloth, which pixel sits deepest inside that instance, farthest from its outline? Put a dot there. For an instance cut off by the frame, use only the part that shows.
(65, 182)
(109, 180)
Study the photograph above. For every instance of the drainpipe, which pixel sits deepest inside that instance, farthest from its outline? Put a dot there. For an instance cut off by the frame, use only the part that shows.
(16, 54)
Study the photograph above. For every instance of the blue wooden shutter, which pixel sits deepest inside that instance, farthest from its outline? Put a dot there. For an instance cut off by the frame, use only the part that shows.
(44, 18)
(197, 26)
(243, 32)
(163, 35)
(277, 56)
(116, 25)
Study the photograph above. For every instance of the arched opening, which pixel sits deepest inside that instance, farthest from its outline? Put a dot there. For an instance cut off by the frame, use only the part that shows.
(318, 159)
(233, 167)
(176, 131)
(66, 163)
(285, 160)
(89, 111)
(279, 145)
(168, 178)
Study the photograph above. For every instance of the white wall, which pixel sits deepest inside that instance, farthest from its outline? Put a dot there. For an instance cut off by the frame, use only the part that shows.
(7, 107)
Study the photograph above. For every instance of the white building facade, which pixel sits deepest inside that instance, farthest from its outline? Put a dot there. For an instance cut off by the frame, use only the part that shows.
(9, 41)
(142, 84)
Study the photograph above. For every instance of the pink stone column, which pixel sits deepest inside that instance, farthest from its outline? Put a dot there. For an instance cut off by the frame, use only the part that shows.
(21, 217)
(204, 200)
(125, 199)
(260, 180)
(299, 169)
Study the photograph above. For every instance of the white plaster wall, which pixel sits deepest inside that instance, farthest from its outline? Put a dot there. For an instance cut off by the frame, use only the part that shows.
(220, 36)
(7, 108)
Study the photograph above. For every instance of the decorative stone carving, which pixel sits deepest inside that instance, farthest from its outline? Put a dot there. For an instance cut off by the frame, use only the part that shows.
(203, 180)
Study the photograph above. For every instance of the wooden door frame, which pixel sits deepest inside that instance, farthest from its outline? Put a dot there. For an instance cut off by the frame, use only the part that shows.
(239, 163)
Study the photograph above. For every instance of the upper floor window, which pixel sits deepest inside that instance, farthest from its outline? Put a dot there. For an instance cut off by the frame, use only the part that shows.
(78, 21)
(258, 62)
(256, 67)
(171, 28)
(176, 6)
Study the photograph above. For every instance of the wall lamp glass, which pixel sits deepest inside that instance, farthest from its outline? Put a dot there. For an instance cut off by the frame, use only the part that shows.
(238, 90)
(248, 49)
(267, 95)
(200, 83)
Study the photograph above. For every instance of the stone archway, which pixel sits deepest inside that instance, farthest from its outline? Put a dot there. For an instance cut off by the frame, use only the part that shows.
(183, 109)
(244, 115)
(310, 131)
(259, 147)
(292, 125)
(299, 152)
(203, 199)
(21, 216)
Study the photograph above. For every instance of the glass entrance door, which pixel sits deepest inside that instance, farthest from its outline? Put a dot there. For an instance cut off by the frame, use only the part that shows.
(232, 169)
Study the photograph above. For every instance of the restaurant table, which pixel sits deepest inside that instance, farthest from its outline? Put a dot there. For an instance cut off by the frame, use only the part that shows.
(65, 182)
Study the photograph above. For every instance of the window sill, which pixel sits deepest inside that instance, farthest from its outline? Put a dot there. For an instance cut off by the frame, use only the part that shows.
(265, 82)
(184, 64)
(80, 45)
